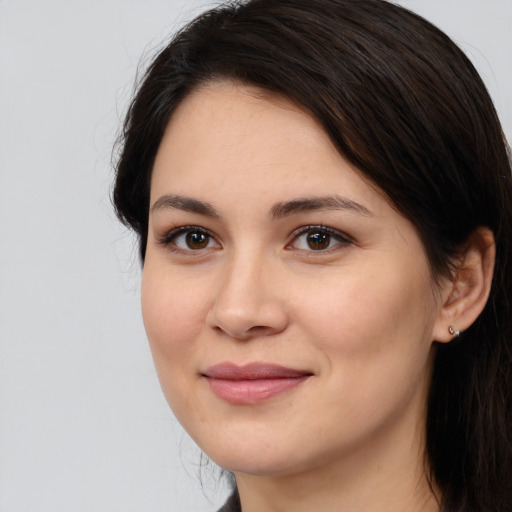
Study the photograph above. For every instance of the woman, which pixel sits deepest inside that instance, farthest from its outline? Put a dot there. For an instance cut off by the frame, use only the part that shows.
(323, 195)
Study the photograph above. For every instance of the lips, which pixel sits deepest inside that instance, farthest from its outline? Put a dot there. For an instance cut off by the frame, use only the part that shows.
(252, 383)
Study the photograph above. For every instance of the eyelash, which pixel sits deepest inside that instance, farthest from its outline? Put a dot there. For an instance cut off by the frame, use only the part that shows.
(341, 238)
(169, 239)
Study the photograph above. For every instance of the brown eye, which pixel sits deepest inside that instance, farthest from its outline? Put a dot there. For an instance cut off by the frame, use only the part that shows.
(197, 240)
(189, 239)
(318, 240)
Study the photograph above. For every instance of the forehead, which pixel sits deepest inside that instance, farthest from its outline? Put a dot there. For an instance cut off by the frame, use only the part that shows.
(229, 139)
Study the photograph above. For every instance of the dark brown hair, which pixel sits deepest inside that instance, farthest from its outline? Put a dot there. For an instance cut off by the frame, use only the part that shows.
(403, 104)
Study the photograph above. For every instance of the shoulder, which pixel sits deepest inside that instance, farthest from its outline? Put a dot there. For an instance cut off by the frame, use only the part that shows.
(232, 504)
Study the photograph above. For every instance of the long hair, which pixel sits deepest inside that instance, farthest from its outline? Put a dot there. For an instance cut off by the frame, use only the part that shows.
(406, 107)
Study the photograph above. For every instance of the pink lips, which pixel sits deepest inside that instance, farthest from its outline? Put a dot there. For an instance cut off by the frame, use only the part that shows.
(252, 383)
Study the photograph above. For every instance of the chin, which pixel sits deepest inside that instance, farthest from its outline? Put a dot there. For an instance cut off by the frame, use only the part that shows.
(250, 455)
(252, 464)
(263, 457)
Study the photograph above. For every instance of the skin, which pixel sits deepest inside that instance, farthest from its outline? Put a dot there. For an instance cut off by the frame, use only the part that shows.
(360, 314)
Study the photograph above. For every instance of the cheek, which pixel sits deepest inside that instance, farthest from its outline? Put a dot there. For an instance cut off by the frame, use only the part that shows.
(375, 322)
(173, 313)
(374, 340)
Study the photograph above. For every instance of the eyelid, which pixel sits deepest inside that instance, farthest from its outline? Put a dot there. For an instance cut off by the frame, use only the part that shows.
(343, 238)
(166, 240)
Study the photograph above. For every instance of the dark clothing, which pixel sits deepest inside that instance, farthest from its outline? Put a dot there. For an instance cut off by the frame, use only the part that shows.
(232, 505)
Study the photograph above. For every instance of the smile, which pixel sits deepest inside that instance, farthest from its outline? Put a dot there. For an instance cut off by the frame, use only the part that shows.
(253, 383)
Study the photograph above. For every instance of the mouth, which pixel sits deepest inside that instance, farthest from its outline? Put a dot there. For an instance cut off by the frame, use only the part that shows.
(252, 383)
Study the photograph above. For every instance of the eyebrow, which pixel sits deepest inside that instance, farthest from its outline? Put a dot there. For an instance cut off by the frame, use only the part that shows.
(187, 204)
(278, 210)
(309, 204)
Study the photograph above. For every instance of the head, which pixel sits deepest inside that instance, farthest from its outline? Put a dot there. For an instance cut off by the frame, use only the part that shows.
(406, 111)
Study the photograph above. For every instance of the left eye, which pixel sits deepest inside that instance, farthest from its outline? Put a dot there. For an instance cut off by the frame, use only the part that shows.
(318, 239)
(191, 239)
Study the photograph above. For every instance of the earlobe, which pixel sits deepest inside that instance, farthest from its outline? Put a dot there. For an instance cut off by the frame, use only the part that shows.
(465, 295)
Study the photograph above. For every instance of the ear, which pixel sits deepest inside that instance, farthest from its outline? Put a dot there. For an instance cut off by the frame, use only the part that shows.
(463, 297)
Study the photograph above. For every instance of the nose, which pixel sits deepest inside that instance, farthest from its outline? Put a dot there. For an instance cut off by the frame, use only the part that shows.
(249, 301)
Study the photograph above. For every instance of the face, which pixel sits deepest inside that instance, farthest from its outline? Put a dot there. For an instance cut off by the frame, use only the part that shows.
(289, 308)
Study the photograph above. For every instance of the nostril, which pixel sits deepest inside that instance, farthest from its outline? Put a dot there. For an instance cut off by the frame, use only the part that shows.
(253, 332)
(246, 315)
(259, 330)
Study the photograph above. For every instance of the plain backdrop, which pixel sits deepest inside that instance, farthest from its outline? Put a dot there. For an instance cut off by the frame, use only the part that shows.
(83, 424)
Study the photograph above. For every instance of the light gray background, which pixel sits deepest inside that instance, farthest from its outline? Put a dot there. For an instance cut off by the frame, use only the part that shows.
(83, 424)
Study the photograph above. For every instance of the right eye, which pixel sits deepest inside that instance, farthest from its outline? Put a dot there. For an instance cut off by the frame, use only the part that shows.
(189, 239)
